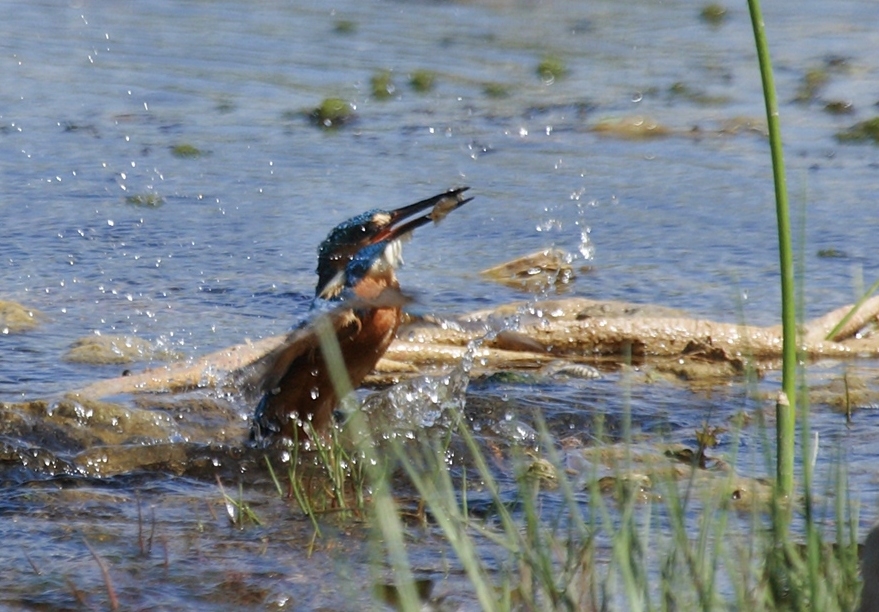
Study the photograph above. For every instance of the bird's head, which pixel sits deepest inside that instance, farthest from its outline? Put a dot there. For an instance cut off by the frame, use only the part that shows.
(371, 243)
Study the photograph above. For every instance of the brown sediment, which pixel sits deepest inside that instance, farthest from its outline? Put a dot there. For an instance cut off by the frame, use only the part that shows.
(636, 127)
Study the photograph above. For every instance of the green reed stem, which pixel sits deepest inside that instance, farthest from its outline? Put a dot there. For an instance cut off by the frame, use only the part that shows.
(785, 428)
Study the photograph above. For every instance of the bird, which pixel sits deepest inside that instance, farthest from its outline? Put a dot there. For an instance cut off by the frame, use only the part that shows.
(358, 296)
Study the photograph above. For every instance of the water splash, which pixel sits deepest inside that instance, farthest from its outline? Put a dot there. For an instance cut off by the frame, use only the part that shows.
(586, 247)
(421, 402)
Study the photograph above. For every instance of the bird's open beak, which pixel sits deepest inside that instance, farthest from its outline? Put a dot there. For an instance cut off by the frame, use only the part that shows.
(439, 205)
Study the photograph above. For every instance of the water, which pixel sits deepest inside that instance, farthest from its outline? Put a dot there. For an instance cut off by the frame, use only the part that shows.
(92, 100)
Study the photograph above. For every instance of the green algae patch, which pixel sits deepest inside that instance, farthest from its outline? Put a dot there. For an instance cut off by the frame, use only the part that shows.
(551, 68)
(813, 81)
(862, 131)
(224, 107)
(839, 107)
(713, 14)
(345, 26)
(630, 128)
(186, 151)
(104, 350)
(332, 113)
(145, 200)
(15, 318)
(496, 90)
(382, 85)
(422, 81)
(680, 90)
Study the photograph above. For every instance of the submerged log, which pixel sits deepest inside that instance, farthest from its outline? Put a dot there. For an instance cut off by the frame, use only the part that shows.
(573, 328)
(588, 327)
(207, 371)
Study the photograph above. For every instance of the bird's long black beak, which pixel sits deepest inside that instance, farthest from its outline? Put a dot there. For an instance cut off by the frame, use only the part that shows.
(440, 205)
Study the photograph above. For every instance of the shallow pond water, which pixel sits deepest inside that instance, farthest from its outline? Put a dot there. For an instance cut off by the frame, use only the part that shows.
(114, 225)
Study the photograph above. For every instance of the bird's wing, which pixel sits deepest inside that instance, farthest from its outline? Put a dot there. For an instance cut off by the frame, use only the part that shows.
(265, 373)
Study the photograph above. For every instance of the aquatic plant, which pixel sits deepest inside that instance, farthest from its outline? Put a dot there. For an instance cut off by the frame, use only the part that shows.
(839, 107)
(496, 90)
(551, 68)
(862, 131)
(238, 511)
(345, 26)
(679, 89)
(332, 113)
(713, 14)
(382, 85)
(812, 83)
(150, 199)
(422, 81)
(186, 151)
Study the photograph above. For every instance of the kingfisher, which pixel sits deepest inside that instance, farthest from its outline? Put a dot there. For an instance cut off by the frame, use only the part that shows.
(358, 294)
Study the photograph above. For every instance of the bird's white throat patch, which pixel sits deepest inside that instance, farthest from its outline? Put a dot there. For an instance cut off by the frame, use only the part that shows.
(392, 255)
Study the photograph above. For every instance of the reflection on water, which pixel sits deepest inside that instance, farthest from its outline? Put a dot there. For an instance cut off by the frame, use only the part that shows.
(108, 229)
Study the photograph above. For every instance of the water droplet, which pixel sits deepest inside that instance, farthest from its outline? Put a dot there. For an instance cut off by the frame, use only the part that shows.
(586, 248)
